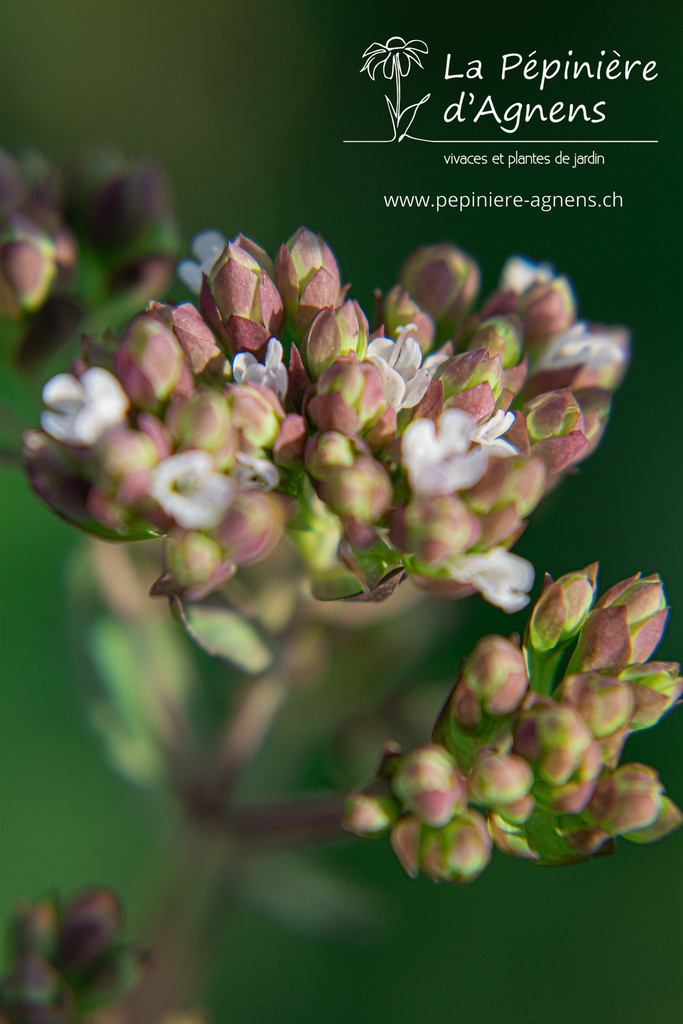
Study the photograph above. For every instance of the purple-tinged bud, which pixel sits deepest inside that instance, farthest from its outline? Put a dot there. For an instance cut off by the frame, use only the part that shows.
(328, 451)
(290, 443)
(560, 747)
(430, 785)
(359, 493)
(629, 798)
(520, 482)
(656, 687)
(56, 477)
(193, 559)
(124, 456)
(397, 309)
(28, 267)
(308, 278)
(499, 336)
(469, 369)
(646, 611)
(206, 360)
(458, 852)
(604, 703)
(150, 363)
(492, 681)
(349, 397)
(240, 301)
(405, 842)
(562, 608)
(333, 333)
(444, 281)
(667, 821)
(89, 926)
(502, 782)
(257, 412)
(546, 309)
(203, 420)
(252, 526)
(435, 528)
(371, 811)
(553, 415)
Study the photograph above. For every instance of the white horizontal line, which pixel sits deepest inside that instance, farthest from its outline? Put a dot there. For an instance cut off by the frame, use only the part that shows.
(518, 142)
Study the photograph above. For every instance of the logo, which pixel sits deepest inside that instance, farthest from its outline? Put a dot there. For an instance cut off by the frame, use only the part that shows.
(395, 59)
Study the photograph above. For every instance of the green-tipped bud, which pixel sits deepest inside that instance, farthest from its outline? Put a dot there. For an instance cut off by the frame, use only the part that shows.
(360, 493)
(333, 333)
(150, 362)
(546, 309)
(553, 414)
(193, 559)
(444, 281)
(257, 412)
(398, 309)
(240, 301)
(502, 782)
(329, 451)
(492, 681)
(204, 420)
(349, 397)
(371, 811)
(458, 852)
(308, 278)
(667, 821)
(469, 369)
(519, 482)
(604, 703)
(562, 608)
(560, 747)
(500, 336)
(656, 687)
(28, 268)
(252, 526)
(646, 611)
(430, 785)
(434, 528)
(628, 799)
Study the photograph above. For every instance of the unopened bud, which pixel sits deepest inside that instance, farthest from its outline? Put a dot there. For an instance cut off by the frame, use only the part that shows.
(333, 333)
(435, 528)
(308, 278)
(646, 611)
(204, 420)
(656, 687)
(562, 608)
(257, 412)
(604, 703)
(469, 369)
(28, 267)
(500, 336)
(492, 681)
(444, 281)
(458, 852)
(430, 785)
(547, 308)
(193, 558)
(629, 798)
(502, 781)
(397, 309)
(252, 526)
(349, 397)
(553, 414)
(149, 362)
(240, 301)
(371, 811)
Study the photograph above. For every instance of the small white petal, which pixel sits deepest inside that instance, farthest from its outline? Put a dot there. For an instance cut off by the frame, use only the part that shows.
(502, 578)
(490, 434)
(190, 273)
(519, 273)
(580, 346)
(416, 389)
(208, 245)
(256, 472)
(191, 491)
(80, 411)
(455, 430)
(393, 383)
(241, 364)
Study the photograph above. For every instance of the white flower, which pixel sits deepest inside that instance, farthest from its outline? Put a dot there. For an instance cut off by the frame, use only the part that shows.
(253, 471)
(444, 461)
(502, 578)
(519, 273)
(80, 411)
(207, 247)
(490, 434)
(580, 346)
(246, 369)
(189, 489)
(400, 364)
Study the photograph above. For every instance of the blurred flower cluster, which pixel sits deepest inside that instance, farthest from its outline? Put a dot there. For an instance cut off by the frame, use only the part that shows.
(526, 751)
(98, 236)
(416, 449)
(67, 961)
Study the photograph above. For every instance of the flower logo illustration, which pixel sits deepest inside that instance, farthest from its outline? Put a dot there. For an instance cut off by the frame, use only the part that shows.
(395, 58)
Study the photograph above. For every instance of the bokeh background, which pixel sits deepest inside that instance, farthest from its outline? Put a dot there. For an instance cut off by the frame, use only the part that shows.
(247, 106)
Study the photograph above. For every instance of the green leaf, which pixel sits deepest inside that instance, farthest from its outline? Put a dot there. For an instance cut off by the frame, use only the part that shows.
(224, 633)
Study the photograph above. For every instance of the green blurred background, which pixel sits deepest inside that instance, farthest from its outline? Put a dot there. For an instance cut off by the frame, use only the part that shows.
(247, 106)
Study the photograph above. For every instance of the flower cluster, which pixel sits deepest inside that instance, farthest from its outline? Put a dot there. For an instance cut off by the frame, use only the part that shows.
(417, 449)
(100, 230)
(532, 764)
(67, 960)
